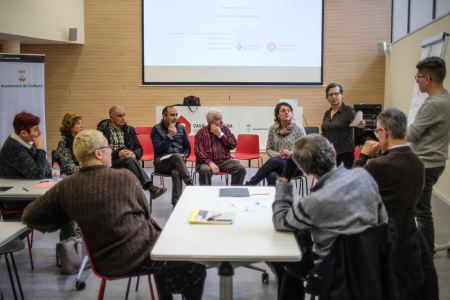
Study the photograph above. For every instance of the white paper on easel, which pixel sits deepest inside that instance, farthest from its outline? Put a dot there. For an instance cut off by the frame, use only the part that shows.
(358, 118)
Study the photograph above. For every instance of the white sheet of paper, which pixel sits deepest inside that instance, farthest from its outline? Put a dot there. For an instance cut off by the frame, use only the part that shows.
(254, 190)
(251, 203)
(165, 156)
(358, 118)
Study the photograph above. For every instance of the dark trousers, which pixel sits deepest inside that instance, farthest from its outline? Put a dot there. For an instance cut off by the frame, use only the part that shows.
(271, 170)
(187, 278)
(133, 165)
(230, 166)
(423, 212)
(176, 167)
(347, 158)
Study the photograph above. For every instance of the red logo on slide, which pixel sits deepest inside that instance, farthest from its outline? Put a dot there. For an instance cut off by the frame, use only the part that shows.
(271, 46)
(185, 123)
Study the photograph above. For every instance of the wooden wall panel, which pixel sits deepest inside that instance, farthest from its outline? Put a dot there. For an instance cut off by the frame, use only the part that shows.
(107, 70)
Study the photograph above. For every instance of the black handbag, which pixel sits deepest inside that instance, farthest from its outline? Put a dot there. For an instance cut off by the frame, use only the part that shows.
(191, 102)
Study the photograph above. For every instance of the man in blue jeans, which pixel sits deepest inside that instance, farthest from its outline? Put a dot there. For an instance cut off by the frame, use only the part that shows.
(429, 136)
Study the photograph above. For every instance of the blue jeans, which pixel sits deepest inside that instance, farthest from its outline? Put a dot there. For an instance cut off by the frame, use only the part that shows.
(271, 170)
(424, 215)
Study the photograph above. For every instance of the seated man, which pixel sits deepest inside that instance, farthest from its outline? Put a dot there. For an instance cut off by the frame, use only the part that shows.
(127, 149)
(170, 138)
(113, 214)
(23, 155)
(400, 175)
(342, 201)
(212, 150)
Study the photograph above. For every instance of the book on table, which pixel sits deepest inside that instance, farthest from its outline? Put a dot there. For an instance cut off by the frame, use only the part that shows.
(200, 216)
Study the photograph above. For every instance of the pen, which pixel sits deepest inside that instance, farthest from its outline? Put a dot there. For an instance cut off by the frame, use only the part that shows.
(222, 220)
(44, 181)
(25, 190)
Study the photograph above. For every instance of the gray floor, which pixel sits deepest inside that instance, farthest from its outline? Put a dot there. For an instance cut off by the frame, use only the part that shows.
(45, 282)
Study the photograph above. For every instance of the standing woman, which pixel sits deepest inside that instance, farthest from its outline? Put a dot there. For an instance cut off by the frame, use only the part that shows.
(336, 125)
(71, 125)
(280, 143)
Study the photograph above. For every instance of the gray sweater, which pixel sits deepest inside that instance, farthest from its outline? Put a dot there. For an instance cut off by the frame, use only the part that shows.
(342, 202)
(429, 134)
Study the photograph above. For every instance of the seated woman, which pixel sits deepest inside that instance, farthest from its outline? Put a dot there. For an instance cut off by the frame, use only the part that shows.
(71, 125)
(281, 139)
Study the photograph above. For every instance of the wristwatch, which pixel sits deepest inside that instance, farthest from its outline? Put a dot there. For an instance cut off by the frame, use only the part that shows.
(221, 135)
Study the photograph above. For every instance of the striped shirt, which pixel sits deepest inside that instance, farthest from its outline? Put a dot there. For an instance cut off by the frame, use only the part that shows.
(209, 148)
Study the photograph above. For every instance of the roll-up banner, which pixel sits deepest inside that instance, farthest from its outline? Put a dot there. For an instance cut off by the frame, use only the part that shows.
(22, 88)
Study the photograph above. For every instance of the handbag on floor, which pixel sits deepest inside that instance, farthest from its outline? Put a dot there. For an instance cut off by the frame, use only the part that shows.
(69, 255)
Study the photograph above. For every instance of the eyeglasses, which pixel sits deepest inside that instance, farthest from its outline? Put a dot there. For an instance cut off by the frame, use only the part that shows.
(418, 76)
(376, 131)
(333, 94)
(110, 146)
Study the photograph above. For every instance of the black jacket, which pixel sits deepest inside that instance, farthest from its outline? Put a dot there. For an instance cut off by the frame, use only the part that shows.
(358, 267)
(415, 268)
(131, 140)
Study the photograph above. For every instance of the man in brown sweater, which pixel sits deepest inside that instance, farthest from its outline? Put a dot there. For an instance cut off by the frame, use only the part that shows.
(400, 176)
(112, 211)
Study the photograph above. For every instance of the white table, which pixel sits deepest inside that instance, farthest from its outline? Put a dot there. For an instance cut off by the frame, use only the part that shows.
(252, 238)
(18, 192)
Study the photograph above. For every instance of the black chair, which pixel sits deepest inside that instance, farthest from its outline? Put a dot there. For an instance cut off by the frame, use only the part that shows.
(310, 130)
(302, 187)
(14, 245)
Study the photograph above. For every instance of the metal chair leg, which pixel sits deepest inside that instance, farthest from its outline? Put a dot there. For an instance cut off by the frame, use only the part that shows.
(13, 286)
(17, 275)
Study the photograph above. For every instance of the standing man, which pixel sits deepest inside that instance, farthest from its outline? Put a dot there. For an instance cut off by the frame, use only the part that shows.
(212, 149)
(400, 176)
(127, 149)
(170, 139)
(429, 136)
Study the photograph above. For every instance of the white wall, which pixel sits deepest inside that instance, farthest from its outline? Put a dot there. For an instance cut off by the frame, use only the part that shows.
(399, 80)
(44, 19)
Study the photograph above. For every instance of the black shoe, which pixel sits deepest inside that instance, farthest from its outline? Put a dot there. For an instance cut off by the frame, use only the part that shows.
(155, 191)
(249, 183)
(189, 183)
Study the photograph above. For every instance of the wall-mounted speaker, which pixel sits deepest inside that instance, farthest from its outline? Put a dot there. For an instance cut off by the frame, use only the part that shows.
(73, 34)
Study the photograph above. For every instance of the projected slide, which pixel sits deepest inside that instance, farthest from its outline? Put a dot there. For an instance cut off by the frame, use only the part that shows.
(232, 42)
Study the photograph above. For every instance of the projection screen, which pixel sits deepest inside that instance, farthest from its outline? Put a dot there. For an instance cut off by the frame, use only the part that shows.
(231, 42)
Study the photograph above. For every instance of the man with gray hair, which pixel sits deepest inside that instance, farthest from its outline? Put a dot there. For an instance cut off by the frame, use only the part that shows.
(400, 176)
(127, 149)
(114, 216)
(343, 202)
(212, 150)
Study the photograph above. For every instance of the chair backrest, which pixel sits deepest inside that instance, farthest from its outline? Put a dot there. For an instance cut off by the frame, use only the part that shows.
(247, 144)
(371, 250)
(310, 130)
(192, 143)
(147, 146)
(357, 152)
(143, 130)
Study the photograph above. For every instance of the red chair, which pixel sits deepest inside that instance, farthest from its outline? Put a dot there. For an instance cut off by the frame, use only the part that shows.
(357, 152)
(143, 130)
(192, 158)
(101, 292)
(3, 211)
(248, 149)
(147, 147)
